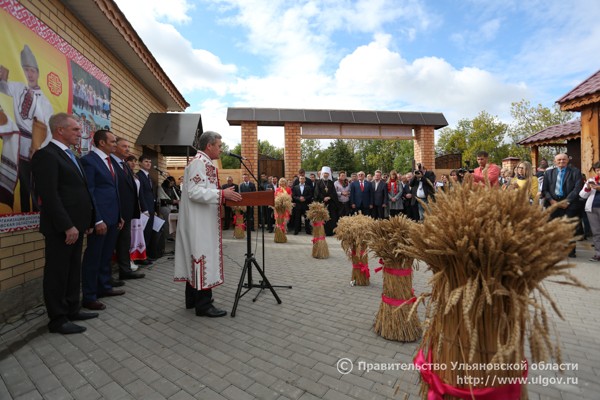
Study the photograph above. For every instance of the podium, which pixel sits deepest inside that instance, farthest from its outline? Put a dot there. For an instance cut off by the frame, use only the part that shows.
(251, 199)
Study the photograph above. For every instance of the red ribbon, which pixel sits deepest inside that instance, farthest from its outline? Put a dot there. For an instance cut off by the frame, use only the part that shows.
(235, 218)
(316, 239)
(396, 302)
(437, 388)
(281, 227)
(393, 271)
(364, 268)
(318, 223)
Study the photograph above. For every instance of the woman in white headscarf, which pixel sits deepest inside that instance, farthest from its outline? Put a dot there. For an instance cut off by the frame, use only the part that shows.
(326, 194)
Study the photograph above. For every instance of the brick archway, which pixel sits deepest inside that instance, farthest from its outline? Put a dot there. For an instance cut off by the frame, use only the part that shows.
(301, 124)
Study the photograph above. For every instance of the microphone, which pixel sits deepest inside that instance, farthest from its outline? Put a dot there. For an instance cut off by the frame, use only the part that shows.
(228, 153)
(159, 171)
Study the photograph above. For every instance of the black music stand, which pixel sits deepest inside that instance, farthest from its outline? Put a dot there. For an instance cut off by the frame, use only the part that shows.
(250, 199)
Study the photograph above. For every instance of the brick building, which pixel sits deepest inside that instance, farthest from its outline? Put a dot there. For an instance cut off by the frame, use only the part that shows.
(100, 33)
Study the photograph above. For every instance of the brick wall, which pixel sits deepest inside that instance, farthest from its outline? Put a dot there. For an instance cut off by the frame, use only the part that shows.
(21, 253)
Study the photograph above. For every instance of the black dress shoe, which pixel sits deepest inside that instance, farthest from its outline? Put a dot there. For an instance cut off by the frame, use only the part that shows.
(68, 328)
(143, 262)
(296, 232)
(211, 312)
(132, 275)
(116, 282)
(111, 293)
(191, 303)
(94, 305)
(82, 316)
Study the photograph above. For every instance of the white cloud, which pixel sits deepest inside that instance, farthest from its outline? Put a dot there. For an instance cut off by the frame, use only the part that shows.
(190, 69)
(383, 78)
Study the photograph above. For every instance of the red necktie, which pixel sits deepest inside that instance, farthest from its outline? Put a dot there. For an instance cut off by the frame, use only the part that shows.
(362, 186)
(112, 171)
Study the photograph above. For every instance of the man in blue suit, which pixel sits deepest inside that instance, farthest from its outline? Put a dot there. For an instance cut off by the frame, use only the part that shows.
(102, 182)
(361, 195)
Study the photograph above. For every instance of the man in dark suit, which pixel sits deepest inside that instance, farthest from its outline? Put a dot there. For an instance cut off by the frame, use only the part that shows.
(267, 216)
(422, 187)
(248, 186)
(147, 203)
(361, 195)
(67, 212)
(102, 182)
(380, 196)
(302, 172)
(228, 213)
(130, 209)
(563, 184)
(302, 196)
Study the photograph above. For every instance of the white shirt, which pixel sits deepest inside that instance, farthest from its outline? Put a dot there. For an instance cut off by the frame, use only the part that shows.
(104, 157)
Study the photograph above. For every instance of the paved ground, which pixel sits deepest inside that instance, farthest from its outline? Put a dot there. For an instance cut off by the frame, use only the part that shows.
(145, 345)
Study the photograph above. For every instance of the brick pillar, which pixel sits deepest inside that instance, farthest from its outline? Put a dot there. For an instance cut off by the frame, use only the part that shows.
(250, 151)
(292, 156)
(424, 146)
(250, 145)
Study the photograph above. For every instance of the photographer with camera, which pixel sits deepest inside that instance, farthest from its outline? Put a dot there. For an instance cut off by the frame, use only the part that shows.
(422, 188)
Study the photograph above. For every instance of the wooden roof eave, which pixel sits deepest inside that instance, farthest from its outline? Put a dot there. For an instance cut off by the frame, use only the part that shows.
(551, 142)
(581, 102)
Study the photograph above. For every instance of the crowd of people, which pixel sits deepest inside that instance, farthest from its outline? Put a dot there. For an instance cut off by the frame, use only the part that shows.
(381, 195)
(100, 196)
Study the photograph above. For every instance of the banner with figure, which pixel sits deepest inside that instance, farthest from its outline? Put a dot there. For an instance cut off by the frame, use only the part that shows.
(40, 75)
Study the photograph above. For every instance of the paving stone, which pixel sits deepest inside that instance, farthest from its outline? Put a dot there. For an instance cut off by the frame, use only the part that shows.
(209, 394)
(148, 346)
(86, 392)
(33, 395)
(232, 392)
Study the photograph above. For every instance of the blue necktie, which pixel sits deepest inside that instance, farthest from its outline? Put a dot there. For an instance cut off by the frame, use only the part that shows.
(72, 157)
(559, 182)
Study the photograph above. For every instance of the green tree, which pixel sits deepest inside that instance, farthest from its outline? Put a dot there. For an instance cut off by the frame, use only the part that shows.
(313, 157)
(484, 132)
(229, 162)
(373, 154)
(267, 149)
(340, 156)
(529, 120)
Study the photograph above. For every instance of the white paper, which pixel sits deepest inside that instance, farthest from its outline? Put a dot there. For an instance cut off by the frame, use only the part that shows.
(158, 223)
(144, 219)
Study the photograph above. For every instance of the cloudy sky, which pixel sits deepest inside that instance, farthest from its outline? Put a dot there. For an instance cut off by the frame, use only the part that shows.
(457, 57)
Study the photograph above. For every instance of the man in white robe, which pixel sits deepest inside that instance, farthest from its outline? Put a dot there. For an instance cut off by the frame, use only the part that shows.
(198, 248)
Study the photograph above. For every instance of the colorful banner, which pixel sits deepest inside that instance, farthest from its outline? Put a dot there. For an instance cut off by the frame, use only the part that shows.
(40, 75)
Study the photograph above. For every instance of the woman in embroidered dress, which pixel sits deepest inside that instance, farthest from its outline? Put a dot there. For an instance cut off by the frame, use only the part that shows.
(137, 248)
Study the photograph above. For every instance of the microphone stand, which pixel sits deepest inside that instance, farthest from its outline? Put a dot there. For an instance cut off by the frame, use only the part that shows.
(250, 261)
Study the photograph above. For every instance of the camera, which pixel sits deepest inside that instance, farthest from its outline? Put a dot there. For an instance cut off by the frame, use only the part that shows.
(417, 172)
